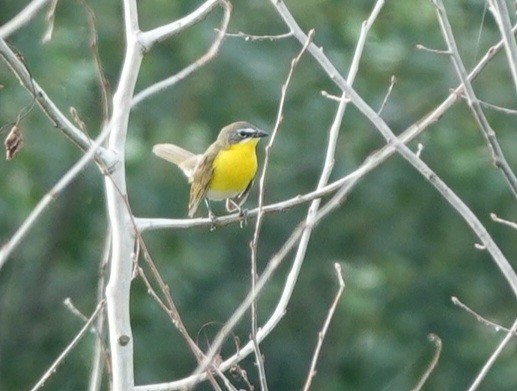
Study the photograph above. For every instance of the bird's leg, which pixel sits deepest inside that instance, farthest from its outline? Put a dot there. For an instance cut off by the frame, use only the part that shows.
(243, 213)
(211, 215)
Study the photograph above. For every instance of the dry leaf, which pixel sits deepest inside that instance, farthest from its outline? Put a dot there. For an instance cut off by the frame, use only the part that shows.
(13, 142)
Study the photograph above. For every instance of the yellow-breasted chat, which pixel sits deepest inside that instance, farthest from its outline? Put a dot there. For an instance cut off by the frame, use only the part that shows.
(224, 172)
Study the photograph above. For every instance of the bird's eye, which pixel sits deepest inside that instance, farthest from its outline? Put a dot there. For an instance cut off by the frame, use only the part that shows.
(242, 133)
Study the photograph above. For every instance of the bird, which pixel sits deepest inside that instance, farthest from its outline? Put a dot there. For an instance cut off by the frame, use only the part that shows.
(224, 172)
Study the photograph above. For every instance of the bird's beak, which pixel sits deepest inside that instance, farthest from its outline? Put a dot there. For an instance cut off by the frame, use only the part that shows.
(261, 133)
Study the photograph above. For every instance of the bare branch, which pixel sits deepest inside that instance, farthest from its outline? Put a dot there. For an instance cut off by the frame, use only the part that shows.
(103, 82)
(22, 18)
(469, 217)
(52, 369)
(57, 118)
(435, 51)
(370, 163)
(101, 353)
(488, 365)
(502, 17)
(490, 137)
(260, 215)
(393, 81)
(201, 61)
(50, 17)
(479, 318)
(42, 205)
(503, 221)
(149, 38)
(251, 37)
(438, 349)
(123, 239)
(326, 324)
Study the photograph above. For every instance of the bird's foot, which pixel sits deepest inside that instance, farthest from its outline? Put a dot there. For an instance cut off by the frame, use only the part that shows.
(243, 215)
(213, 219)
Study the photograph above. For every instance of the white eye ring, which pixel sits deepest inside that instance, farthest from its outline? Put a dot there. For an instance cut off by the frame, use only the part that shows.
(243, 133)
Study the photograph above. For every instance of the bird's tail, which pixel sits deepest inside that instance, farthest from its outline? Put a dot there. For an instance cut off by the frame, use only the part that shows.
(184, 159)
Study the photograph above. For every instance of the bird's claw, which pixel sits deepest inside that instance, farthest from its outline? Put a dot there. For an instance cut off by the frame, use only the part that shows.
(243, 215)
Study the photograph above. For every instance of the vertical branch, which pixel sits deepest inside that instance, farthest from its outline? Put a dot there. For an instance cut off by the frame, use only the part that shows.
(123, 237)
(326, 324)
(260, 214)
(99, 352)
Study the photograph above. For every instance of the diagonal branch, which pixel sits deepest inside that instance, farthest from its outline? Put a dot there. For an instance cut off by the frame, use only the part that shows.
(326, 324)
(57, 118)
(52, 369)
(469, 217)
(22, 18)
(473, 102)
(501, 16)
(205, 58)
(484, 371)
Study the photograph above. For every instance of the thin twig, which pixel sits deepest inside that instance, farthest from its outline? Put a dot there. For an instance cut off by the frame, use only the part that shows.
(504, 110)
(101, 77)
(251, 37)
(101, 353)
(52, 369)
(50, 197)
(497, 219)
(22, 18)
(305, 229)
(474, 105)
(501, 15)
(260, 215)
(484, 371)
(326, 324)
(479, 318)
(432, 365)
(50, 18)
(434, 51)
(58, 119)
(201, 61)
(393, 81)
(149, 38)
(169, 307)
(457, 203)
(347, 184)
(371, 162)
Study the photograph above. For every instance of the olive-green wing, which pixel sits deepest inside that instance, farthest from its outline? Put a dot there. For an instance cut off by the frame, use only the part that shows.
(201, 179)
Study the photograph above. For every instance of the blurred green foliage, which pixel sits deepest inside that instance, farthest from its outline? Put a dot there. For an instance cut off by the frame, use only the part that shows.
(404, 251)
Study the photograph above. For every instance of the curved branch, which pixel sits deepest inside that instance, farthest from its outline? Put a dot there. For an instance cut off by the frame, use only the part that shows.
(22, 18)
(149, 38)
(205, 58)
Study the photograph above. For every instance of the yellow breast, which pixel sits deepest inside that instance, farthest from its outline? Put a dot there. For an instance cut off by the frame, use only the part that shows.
(234, 168)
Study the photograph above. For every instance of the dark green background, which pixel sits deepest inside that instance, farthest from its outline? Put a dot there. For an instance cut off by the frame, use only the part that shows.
(404, 250)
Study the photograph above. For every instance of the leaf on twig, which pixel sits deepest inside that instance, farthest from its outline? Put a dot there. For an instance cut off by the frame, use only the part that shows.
(13, 142)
